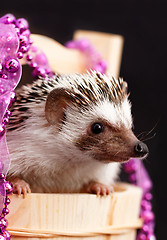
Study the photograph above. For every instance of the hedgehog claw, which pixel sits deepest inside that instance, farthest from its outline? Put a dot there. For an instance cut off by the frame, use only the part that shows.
(20, 187)
(99, 189)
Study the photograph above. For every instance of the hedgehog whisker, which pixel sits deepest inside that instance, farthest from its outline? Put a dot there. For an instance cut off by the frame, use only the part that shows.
(144, 140)
(145, 134)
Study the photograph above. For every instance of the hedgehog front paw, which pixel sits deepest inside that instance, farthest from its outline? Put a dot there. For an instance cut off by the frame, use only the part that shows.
(99, 189)
(20, 187)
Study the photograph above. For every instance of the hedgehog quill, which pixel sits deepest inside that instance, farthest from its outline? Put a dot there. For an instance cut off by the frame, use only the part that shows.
(70, 134)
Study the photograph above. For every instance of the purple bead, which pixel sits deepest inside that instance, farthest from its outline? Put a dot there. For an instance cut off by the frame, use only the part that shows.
(7, 201)
(5, 211)
(146, 205)
(41, 59)
(39, 72)
(2, 130)
(3, 223)
(6, 121)
(2, 237)
(71, 44)
(98, 68)
(148, 196)
(23, 40)
(8, 187)
(20, 55)
(8, 18)
(33, 65)
(141, 236)
(147, 216)
(12, 65)
(83, 44)
(6, 234)
(2, 176)
(8, 114)
(151, 237)
(26, 33)
(145, 229)
(23, 49)
(22, 24)
(29, 57)
(4, 76)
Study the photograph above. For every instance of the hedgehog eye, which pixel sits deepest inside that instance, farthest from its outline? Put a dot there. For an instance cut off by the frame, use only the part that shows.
(97, 128)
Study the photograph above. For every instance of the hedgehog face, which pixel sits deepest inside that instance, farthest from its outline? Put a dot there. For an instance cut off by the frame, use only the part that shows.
(97, 121)
(109, 137)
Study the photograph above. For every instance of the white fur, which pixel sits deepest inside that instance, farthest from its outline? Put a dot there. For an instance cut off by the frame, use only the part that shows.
(50, 162)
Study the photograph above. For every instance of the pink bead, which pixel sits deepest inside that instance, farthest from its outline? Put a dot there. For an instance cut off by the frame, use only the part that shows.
(26, 33)
(41, 59)
(12, 65)
(151, 237)
(8, 187)
(33, 65)
(8, 114)
(29, 57)
(3, 223)
(103, 63)
(6, 234)
(71, 44)
(23, 49)
(145, 228)
(5, 211)
(4, 76)
(5, 121)
(147, 216)
(148, 196)
(2, 176)
(22, 24)
(23, 40)
(39, 72)
(8, 18)
(7, 201)
(141, 236)
(83, 44)
(20, 55)
(2, 237)
(98, 68)
(146, 205)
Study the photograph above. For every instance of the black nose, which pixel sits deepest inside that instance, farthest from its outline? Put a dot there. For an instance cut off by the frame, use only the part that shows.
(141, 149)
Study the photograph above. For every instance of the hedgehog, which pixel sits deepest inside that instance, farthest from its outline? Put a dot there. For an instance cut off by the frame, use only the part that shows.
(70, 134)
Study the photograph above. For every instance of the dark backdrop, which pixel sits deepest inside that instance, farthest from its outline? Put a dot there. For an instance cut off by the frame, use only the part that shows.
(143, 25)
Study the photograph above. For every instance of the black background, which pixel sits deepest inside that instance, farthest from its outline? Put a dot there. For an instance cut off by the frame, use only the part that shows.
(144, 27)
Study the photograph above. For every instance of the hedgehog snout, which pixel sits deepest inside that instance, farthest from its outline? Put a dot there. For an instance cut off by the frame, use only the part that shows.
(141, 149)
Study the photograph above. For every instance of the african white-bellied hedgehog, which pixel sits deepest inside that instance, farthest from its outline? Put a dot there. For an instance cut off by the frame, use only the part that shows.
(70, 134)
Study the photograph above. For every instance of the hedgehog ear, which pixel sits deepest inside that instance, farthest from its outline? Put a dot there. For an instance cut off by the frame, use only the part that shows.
(56, 103)
(124, 87)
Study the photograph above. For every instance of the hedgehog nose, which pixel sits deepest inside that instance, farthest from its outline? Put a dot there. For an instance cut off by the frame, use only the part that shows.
(140, 149)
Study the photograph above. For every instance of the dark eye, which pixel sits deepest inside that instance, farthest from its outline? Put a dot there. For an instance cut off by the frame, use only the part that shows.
(97, 128)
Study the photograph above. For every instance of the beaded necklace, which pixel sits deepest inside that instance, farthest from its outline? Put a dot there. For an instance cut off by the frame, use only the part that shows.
(15, 44)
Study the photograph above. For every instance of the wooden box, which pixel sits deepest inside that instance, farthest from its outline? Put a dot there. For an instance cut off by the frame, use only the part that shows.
(76, 216)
